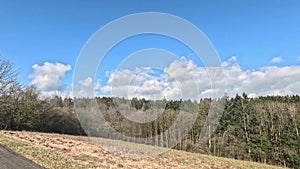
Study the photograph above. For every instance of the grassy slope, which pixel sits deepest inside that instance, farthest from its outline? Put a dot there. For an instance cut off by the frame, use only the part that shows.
(68, 152)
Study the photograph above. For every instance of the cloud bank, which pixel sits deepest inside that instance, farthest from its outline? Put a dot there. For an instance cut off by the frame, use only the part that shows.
(183, 79)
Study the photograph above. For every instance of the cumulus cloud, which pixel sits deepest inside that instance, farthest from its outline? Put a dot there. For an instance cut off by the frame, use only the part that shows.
(134, 83)
(47, 76)
(271, 80)
(276, 60)
(183, 79)
(88, 88)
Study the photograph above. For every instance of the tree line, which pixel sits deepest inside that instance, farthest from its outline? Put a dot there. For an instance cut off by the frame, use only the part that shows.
(263, 129)
(22, 108)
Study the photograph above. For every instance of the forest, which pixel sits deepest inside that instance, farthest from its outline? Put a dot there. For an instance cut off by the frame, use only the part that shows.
(263, 129)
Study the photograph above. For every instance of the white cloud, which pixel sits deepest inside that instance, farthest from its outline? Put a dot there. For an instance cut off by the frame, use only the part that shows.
(86, 83)
(184, 79)
(298, 59)
(88, 88)
(266, 81)
(47, 76)
(230, 62)
(276, 60)
(133, 83)
(180, 79)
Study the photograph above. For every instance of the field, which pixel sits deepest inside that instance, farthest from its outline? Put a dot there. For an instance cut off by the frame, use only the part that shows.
(55, 151)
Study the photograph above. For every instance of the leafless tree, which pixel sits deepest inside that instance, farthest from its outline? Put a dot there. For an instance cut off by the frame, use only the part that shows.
(8, 76)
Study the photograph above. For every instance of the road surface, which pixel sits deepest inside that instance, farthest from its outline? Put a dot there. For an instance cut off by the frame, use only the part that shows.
(10, 160)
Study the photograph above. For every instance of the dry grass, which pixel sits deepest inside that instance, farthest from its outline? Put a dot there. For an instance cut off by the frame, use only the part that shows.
(65, 151)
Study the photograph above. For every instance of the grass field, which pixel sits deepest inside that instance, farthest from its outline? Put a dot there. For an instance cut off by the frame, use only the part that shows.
(55, 151)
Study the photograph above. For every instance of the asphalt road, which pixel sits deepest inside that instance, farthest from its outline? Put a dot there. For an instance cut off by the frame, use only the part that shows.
(10, 160)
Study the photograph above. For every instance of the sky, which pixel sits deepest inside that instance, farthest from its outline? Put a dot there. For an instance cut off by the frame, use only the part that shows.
(258, 43)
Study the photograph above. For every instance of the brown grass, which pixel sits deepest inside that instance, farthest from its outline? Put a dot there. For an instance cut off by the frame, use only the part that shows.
(65, 151)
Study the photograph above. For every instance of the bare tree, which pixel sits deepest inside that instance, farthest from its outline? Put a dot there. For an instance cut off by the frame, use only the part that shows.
(8, 76)
(9, 93)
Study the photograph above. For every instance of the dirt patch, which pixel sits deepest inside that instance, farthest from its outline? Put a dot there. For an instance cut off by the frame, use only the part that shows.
(83, 150)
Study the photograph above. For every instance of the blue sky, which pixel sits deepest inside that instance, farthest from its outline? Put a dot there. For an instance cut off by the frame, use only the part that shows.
(34, 32)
